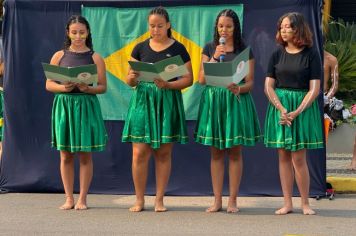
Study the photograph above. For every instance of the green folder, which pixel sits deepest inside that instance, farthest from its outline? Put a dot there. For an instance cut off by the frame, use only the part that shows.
(166, 69)
(80, 74)
(221, 74)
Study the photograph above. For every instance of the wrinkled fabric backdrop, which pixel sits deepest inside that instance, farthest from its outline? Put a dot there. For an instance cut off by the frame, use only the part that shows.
(34, 30)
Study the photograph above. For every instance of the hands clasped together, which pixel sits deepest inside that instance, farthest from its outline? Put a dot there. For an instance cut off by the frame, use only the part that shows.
(287, 118)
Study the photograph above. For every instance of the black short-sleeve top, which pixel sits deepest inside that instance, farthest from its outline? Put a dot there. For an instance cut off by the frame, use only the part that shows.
(209, 50)
(294, 71)
(143, 52)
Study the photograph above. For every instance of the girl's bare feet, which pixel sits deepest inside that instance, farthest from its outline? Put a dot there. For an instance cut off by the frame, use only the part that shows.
(81, 205)
(353, 161)
(68, 205)
(159, 206)
(308, 211)
(284, 210)
(139, 206)
(232, 207)
(216, 207)
(353, 164)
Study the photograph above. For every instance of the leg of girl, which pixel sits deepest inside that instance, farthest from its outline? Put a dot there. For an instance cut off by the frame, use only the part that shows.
(217, 177)
(163, 162)
(85, 177)
(235, 173)
(67, 174)
(286, 175)
(302, 178)
(141, 154)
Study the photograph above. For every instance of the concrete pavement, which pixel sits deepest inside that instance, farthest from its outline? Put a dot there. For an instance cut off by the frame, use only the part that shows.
(38, 214)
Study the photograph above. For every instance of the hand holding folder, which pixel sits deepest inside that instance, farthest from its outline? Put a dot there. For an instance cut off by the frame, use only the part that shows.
(222, 74)
(166, 69)
(80, 74)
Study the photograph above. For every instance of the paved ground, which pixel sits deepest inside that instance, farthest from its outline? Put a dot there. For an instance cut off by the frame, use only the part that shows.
(339, 151)
(37, 214)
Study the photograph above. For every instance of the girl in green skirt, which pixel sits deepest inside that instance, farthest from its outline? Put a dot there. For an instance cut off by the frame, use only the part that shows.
(227, 117)
(156, 114)
(77, 123)
(293, 121)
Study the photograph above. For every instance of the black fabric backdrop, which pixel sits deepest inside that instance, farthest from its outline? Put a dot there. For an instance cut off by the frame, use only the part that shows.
(34, 30)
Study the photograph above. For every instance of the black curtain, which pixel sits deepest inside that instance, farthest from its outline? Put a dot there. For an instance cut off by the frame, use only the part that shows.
(34, 30)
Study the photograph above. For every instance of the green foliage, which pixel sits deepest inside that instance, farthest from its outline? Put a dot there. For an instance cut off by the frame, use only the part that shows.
(341, 42)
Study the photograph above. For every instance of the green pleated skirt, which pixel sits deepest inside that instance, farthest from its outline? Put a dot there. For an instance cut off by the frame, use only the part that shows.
(224, 121)
(155, 116)
(77, 123)
(1, 114)
(306, 129)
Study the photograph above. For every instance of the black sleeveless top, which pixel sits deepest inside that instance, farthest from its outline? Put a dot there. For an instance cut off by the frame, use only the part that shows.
(71, 59)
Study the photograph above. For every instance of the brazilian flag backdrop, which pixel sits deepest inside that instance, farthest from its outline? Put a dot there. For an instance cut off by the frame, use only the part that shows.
(115, 32)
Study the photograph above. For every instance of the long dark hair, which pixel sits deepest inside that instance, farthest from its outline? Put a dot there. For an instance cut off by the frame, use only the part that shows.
(303, 35)
(238, 42)
(162, 12)
(78, 19)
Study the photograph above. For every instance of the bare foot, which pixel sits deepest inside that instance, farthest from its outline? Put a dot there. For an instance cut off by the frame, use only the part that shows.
(68, 205)
(353, 164)
(232, 207)
(215, 208)
(284, 210)
(81, 206)
(139, 206)
(159, 207)
(308, 211)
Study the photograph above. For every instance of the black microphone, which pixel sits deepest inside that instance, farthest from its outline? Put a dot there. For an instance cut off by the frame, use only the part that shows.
(222, 41)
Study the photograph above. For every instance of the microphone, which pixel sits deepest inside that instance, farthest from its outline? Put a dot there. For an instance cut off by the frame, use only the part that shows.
(222, 41)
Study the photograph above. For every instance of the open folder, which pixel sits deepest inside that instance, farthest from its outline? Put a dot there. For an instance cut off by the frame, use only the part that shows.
(80, 74)
(166, 69)
(221, 74)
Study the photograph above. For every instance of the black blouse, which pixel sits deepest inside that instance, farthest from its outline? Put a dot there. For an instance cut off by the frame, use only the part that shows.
(294, 71)
(143, 52)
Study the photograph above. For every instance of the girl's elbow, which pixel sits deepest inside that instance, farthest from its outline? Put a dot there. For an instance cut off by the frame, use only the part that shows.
(250, 85)
(265, 90)
(48, 87)
(128, 82)
(202, 82)
(190, 82)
